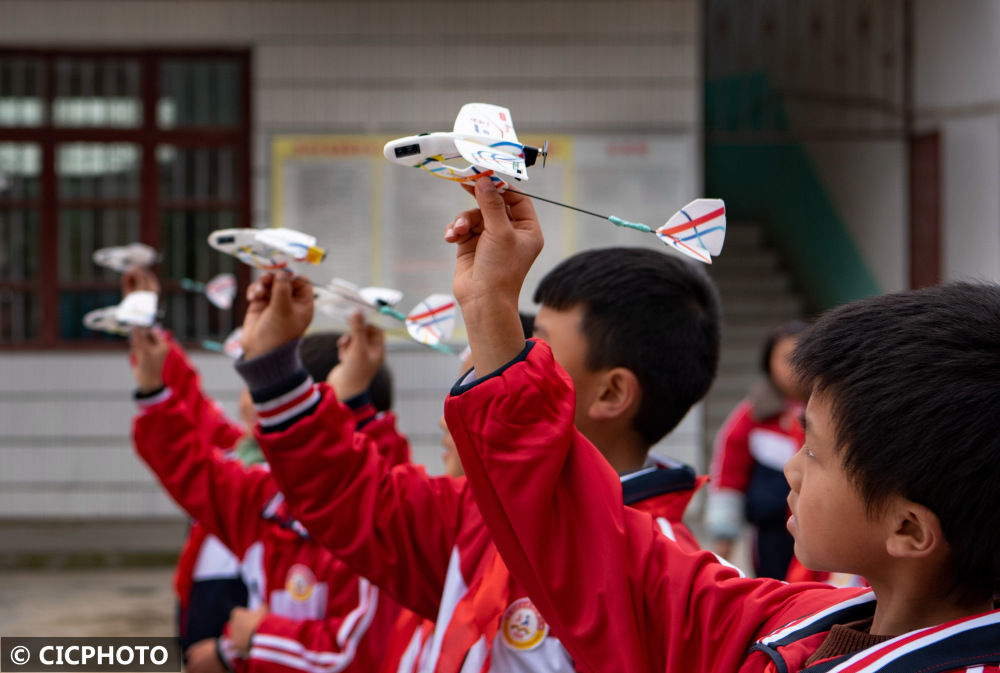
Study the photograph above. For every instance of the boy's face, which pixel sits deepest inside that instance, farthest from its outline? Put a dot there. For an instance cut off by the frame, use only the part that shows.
(562, 331)
(831, 527)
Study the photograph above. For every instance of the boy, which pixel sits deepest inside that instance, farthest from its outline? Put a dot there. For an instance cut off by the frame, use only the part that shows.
(896, 482)
(425, 542)
(308, 610)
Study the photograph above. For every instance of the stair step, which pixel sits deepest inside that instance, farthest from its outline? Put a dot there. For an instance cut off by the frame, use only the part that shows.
(732, 285)
(744, 236)
(754, 261)
(767, 311)
(757, 295)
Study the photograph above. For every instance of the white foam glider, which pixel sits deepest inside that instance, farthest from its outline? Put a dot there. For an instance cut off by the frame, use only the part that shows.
(430, 322)
(137, 309)
(483, 136)
(122, 258)
(267, 249)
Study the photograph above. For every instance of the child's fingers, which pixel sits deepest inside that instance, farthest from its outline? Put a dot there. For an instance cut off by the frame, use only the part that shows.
(464, 223)
(492, 206)
(281, 291)
(301, 286)
(357, 324)
(260, 288)
(519, 206)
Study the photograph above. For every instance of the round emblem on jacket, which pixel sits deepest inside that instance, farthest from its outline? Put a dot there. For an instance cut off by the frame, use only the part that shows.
(523, 626)
(299, 582)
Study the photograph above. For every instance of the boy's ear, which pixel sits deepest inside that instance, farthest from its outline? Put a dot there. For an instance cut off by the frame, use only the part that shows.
(618, 395)
(915, 530)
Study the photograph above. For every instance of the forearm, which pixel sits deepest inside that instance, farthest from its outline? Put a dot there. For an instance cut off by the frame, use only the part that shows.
(351, 640)
(495, 332)
(324, 468)
(214, 491)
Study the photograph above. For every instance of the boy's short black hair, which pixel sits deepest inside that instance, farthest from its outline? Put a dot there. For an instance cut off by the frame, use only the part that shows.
(913, 380)
(318, 351)
(655, 314)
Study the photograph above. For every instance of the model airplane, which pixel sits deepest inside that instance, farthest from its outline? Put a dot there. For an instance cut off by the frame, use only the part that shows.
(483, 136)
(220, 290)
(122, 258)
(137, 309)
(267, 249)
(430, 322)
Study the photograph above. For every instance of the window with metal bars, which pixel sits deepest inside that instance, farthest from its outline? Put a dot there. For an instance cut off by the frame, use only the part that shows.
(108, 148)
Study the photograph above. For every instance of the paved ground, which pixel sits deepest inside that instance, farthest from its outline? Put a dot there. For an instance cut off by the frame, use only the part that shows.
(101, 602)
(105, 602)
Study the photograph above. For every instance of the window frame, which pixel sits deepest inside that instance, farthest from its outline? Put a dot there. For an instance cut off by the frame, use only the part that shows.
(147, 136)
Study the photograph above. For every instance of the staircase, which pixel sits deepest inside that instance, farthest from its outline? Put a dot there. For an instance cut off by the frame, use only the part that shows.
(756, 296)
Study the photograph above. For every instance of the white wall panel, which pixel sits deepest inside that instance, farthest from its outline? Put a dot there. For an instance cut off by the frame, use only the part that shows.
(346, 66)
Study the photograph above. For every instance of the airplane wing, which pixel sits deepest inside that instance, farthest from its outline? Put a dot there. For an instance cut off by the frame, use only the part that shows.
(483, 119)
(122, 258)
(339, 299)
(697, 230)
(103, 320)
(138, 309)
(295, 244)
(380, 296)
(432, 320)
(492, 158)
(267, 248)
(221, 290)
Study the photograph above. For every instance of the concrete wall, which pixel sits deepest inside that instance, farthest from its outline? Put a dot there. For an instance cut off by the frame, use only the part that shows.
(957, 92)
(572, 66)
(866, 181)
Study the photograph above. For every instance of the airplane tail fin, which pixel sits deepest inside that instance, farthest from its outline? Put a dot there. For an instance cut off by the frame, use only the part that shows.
(432, 320)
(697, 230)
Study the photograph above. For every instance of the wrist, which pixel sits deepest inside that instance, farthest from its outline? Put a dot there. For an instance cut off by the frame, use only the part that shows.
(495, 334)
(150, 386)
(271, 367)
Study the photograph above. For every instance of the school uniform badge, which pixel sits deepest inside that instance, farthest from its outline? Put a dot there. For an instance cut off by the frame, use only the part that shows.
(299, 582)
(523, 626)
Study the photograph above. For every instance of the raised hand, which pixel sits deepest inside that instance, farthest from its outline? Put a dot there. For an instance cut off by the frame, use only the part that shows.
(139, 278)
(280, 309)
(362, 352)
(148, 349)
(496, 246)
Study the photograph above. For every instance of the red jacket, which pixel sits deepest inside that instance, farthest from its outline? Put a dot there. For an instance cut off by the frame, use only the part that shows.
(422, 539)
(323, 617)
(621, 596)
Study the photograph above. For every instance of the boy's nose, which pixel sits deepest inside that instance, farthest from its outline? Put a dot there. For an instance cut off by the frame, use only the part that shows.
(792, 470)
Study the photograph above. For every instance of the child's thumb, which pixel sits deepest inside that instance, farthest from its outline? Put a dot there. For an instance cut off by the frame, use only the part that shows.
(491, 204)
(281, 291)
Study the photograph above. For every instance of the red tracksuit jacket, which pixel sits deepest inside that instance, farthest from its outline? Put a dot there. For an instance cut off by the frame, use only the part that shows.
(322, 616)
(422, 539)
(620, 595)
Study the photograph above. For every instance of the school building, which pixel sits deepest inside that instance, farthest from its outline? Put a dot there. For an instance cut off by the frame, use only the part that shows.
(856, 143)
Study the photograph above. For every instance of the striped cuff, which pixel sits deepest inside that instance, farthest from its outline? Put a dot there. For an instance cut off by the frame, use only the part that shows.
(226, 652)
(145, 401)
(362, 408)
(271, 368)
(279, 406)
